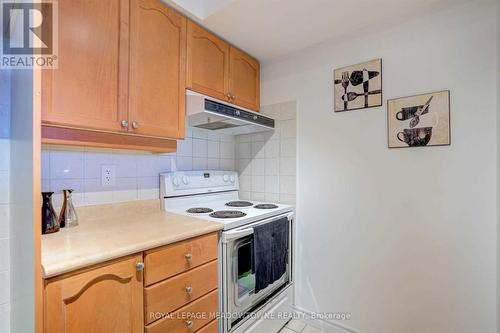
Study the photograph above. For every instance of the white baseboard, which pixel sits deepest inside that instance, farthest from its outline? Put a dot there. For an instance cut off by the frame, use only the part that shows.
(326, 326)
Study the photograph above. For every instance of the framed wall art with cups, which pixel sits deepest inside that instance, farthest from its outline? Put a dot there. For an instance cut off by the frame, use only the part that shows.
(421, 120)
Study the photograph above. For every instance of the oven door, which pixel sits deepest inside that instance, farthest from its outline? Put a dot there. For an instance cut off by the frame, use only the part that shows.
(239, 276)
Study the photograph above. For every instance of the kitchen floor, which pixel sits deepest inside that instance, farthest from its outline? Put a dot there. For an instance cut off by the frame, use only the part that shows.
(296, 326)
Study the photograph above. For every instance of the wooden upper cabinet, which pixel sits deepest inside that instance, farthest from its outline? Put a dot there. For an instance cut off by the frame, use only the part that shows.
(157, 70)
(104, 299)
(207, 62)
(244, 79)
(88, 88)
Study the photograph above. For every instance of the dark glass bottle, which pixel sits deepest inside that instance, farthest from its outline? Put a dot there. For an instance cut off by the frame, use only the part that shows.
(50, 223)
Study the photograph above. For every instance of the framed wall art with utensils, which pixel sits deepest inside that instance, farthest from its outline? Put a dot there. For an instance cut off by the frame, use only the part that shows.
(421, 120)
(358, 86)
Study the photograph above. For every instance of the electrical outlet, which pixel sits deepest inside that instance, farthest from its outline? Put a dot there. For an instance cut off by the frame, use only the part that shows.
(108, 173)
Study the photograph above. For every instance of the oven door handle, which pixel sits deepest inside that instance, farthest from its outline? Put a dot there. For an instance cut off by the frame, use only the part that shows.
(232, 235)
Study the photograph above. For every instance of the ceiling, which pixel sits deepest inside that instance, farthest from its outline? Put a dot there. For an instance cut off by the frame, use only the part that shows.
(272, 28)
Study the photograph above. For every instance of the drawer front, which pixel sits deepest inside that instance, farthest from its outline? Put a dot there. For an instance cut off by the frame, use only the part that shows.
(169, 295)
(199, 313)
(173, 259)
(213, 327)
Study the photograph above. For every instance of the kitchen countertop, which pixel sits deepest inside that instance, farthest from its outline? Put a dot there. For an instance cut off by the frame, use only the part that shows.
(112, 231)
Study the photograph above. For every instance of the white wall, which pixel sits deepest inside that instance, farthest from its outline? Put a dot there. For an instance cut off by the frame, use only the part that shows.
(136, 173)
(4, 201)
(403, 239)
(498, 163)
(266, 161)
(22, 184)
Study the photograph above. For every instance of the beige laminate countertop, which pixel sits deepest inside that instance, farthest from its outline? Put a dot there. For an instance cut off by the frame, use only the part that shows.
(116, 230)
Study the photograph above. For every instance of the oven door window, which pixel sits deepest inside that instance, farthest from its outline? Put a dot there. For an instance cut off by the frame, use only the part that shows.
(245, 272)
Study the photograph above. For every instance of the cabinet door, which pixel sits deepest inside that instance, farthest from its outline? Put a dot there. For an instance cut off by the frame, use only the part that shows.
(244, 79)
(106, 299)
(157, 70)
(88, 90)
(207, 62)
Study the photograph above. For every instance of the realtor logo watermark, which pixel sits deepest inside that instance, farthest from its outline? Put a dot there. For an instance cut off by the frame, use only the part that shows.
(29, 34)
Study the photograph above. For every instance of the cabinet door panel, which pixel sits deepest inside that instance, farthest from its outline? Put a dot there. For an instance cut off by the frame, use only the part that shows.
(88, 88)
(244, 79)
(207, 62)
(105, 299)
(157, 70)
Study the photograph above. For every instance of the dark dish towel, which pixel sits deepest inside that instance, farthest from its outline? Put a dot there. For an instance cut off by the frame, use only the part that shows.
(270, 252)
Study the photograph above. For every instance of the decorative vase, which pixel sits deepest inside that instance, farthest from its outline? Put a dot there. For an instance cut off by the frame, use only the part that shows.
(68, 217)
(50, 223)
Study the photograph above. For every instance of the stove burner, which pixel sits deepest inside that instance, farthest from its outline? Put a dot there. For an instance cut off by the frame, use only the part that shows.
(227, 214)
(265, 206)
(239, 204)
(199, 210)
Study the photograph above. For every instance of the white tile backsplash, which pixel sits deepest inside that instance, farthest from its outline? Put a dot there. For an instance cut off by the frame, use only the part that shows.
(213, 149)
(227, 150)
(200, 163)
(288, 148)
(287, 166)
(200, 148)
(258, 184)
(148, 165)
(126, 165)
(213, 164)
(272, 149)
(93, 162)
(244, 150)
(185, 147)
(184, 163)
(258, 149)
(137, 173)
(272, 166)
(266, 161)
(66, 164)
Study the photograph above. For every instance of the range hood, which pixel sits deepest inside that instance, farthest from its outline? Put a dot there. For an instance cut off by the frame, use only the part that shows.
(216, 115)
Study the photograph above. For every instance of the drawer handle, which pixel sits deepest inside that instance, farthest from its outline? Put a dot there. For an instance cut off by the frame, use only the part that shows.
(188, 256)
(139, 266)
(189, 324)
(189, 290)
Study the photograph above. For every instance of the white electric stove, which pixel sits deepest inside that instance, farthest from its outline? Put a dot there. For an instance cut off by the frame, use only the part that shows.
(213, 196)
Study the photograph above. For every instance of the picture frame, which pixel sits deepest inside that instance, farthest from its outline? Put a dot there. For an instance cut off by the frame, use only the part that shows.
(422, 120)
(358, 86)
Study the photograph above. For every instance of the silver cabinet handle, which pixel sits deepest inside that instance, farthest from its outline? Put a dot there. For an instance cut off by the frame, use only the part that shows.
(189, 290)
(188, 256)
(139, 266)
(189, 324)
(135, 125)
(124, 123)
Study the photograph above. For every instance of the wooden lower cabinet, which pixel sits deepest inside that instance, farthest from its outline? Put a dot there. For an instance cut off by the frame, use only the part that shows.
(190, 318)
(171, 294)
(105, 299)
(170, 260)
(113, 297)
(213, 327)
